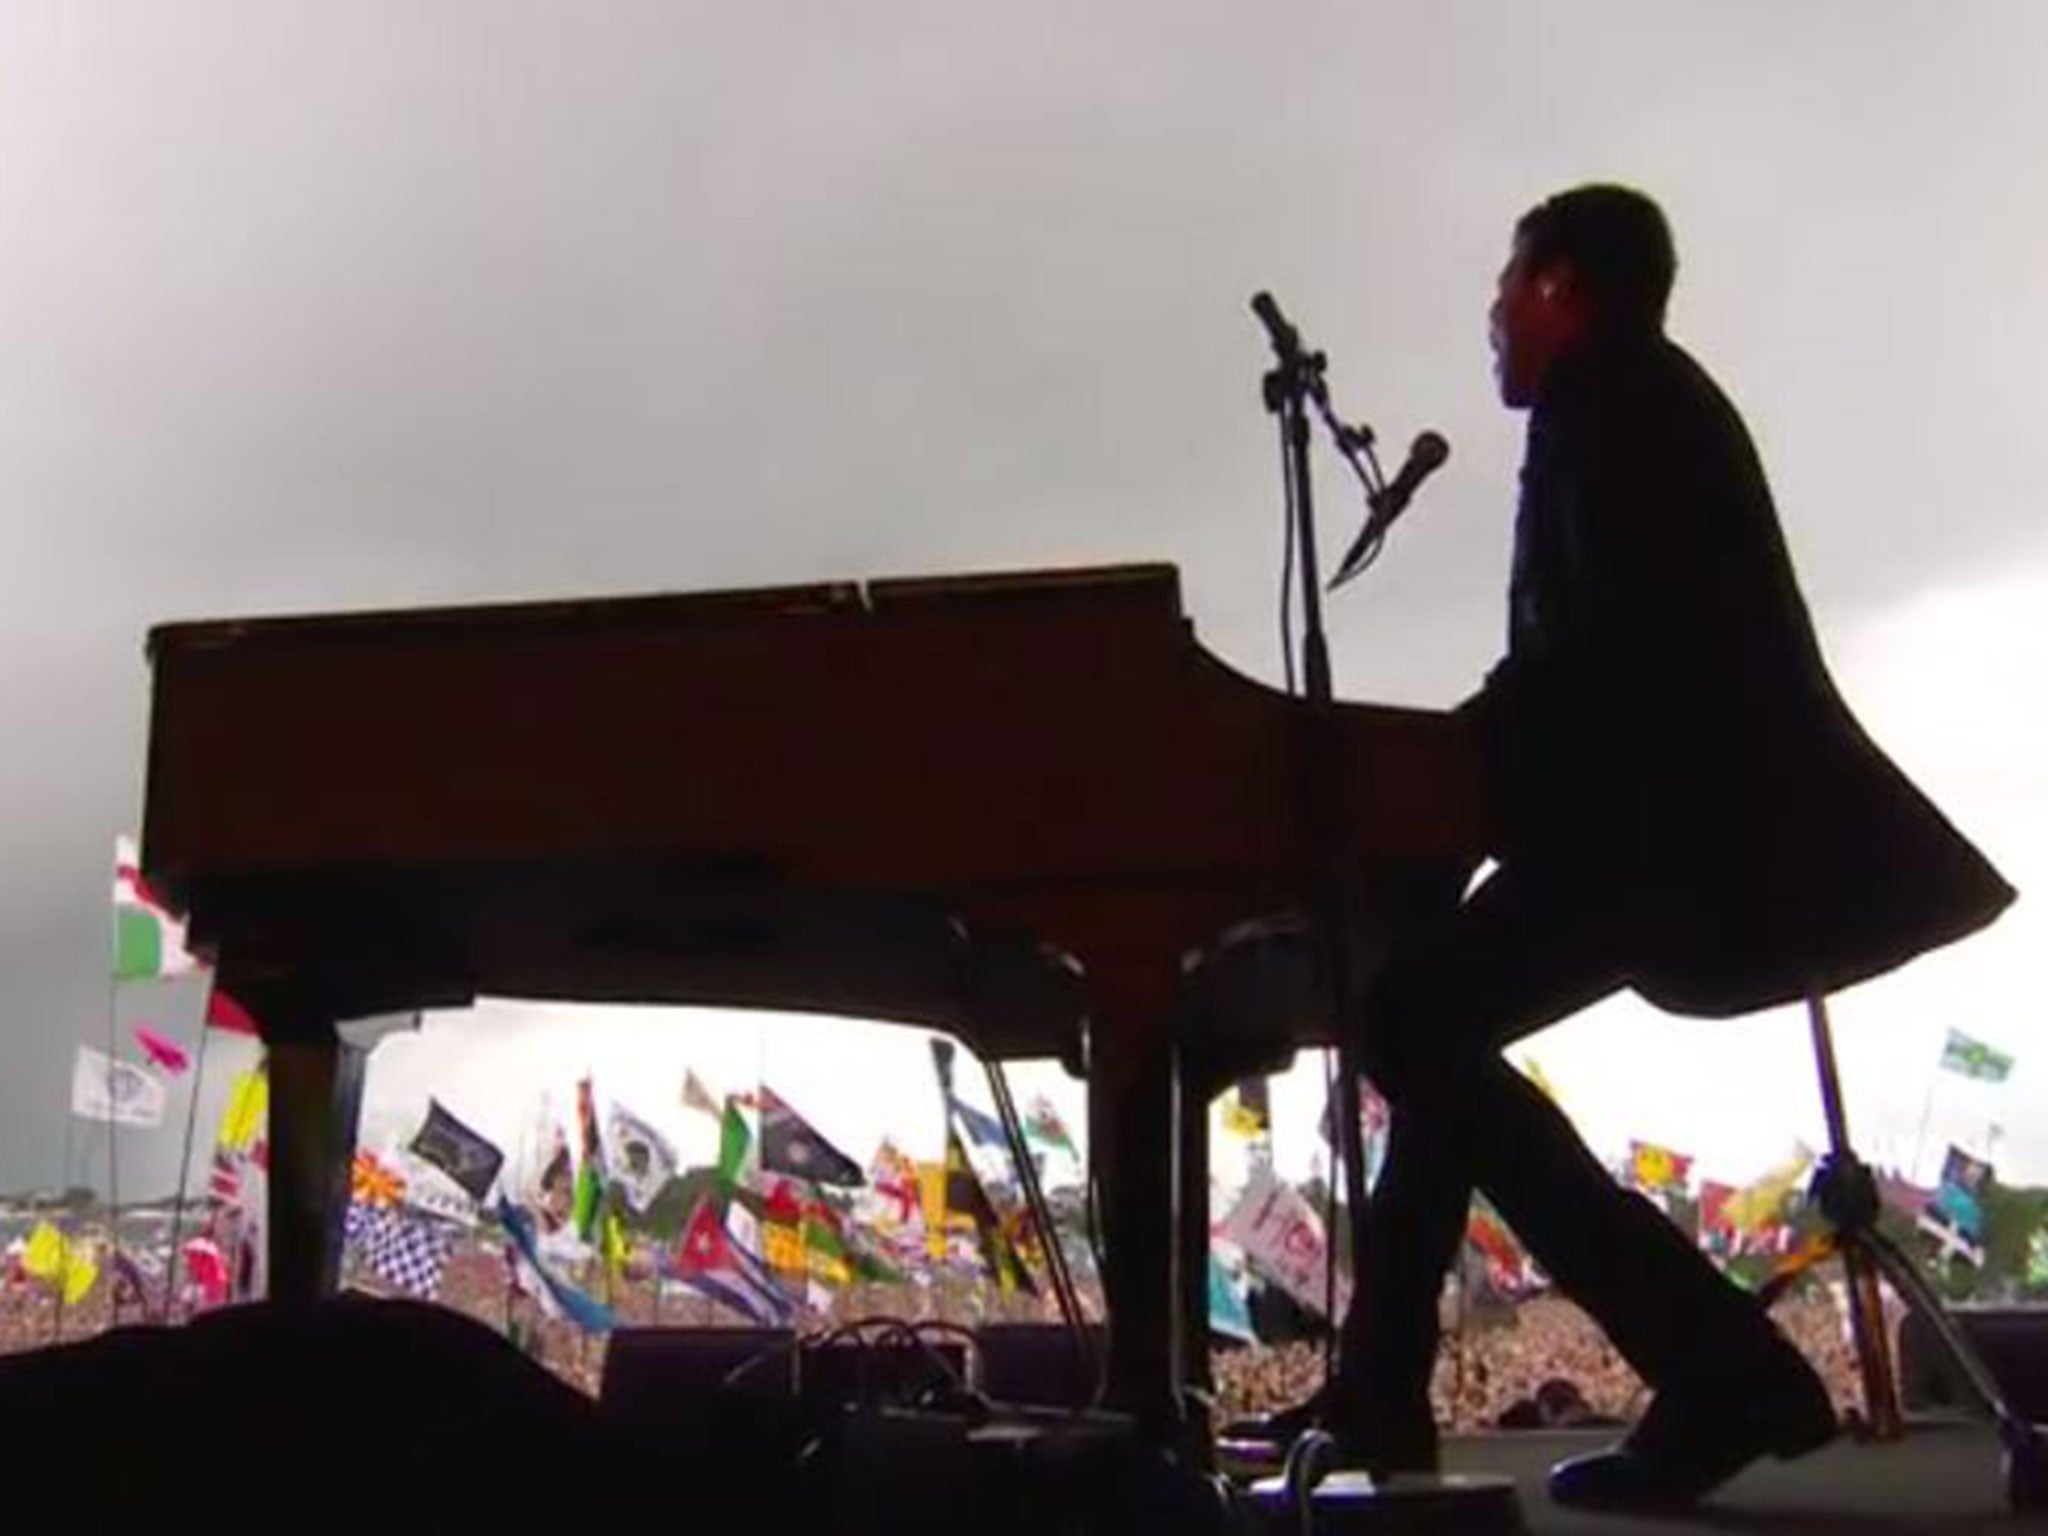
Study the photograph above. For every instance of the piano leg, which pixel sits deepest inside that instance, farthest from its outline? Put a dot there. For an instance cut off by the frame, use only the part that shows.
(316, 1085)
(1194, 1087)
(1131, 1134)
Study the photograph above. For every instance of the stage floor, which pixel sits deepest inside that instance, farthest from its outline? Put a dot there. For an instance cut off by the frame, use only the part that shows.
(1944, 1477)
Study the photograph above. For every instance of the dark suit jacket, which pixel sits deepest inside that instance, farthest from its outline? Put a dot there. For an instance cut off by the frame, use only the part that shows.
(1663, 739)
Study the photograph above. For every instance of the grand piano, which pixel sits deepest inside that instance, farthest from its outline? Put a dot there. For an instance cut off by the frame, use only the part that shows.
(1030, 809)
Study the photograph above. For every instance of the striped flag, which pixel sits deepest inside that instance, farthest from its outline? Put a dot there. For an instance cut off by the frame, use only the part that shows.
(712, 1264)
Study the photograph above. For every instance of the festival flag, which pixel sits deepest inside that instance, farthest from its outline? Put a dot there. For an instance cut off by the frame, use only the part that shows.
(696, 1096)
(470, 1159)
(148, 942)
(712, 1264)
(205, 1271)
(1959, 1199)
(138, 1281)
(967, 1196)
(554, 1191)
(893, 1178)
(403, 1250)
(247, 1111)
(642, 1159)
(1717, 1232)
(782, 1229)
(591, 1316)
(1282, 1236)
(104, 1089)
(791, 1145)
(2037, 1257)
(1228, 1313)
(162, 1051)
(1761, 1203)
(734, 1140)
(225, 1014)
(983, 1129)
(1506, 1264)
(591, 1181)
(1656, 1168)
(1973, 1058)
(1044, 1126)
(373, 1183)
(1248, 1111)
(69, 1268)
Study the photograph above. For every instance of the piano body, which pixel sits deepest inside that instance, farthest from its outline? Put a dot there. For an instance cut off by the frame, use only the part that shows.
(1028, 809)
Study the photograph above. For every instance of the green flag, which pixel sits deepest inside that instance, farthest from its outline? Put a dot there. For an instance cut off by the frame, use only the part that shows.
(733, 1140)
(1973, 1058)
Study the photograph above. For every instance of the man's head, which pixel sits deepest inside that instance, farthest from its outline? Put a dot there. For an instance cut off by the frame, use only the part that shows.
(1595, 260)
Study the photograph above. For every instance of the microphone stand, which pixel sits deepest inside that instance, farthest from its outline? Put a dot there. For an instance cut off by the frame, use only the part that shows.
(1294, 383)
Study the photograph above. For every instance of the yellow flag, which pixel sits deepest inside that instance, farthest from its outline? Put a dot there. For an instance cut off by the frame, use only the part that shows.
(59, 1263)
(1240, 1119)
(782, 1245)
(1758, 1205)
(82, 1269)
(931, 1192)
(247, 1113)
(612, 1242)
(46, 1254)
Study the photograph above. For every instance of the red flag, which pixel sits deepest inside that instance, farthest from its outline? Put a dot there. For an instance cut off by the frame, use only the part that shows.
(223, 1012)
(162, 1052)
(703, 1246)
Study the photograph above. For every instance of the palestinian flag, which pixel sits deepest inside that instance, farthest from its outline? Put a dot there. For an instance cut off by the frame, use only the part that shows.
(734, 1138)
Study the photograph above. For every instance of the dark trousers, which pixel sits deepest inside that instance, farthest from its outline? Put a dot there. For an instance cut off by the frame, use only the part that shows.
(1513, 957)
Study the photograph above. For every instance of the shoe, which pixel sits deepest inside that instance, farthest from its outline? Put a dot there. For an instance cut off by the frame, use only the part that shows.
(1687, 1446)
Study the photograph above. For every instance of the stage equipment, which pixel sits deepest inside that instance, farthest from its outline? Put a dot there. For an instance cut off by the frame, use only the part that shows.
(1845, 1191)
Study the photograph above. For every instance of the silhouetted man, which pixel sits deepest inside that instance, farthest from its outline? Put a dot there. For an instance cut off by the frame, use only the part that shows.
(1682, 804)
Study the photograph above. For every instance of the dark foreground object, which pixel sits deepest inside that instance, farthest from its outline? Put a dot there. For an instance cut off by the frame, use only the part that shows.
(355, 1414)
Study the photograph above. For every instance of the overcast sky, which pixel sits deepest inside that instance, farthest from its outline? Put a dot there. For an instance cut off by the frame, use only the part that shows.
(336, 306)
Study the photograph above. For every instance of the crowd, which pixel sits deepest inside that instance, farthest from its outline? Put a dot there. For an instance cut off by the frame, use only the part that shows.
(1491, 1371)
(1493, 1366)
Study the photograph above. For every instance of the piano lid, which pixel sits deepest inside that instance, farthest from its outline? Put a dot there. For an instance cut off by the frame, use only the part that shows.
(910, 799)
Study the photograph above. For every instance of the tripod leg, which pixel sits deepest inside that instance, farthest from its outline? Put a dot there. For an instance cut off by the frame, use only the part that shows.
(1873, 1345)
(2025, 1451)
(1921, 1298)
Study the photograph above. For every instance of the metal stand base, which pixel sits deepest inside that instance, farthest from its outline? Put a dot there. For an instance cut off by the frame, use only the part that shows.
(1308, 1500)
(1845, 1191)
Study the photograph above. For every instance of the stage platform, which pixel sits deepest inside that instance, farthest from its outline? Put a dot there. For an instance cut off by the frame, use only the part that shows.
(1944, 1477)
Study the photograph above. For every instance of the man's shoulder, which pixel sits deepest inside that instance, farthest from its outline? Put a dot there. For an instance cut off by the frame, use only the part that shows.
(1641, 393)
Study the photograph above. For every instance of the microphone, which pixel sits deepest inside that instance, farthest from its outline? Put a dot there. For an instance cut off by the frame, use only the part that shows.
(1426, 455)
(1286, 340)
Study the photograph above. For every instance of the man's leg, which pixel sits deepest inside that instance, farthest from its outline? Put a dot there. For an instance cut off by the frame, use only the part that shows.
(1500, 965)
(1514, 959)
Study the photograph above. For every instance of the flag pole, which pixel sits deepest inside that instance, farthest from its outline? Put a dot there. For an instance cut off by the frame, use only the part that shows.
(113, 1146)
(1926, 1110)
(184, 1171)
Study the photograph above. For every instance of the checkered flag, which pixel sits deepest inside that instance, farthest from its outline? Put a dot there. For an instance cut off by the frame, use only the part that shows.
(398, 1249)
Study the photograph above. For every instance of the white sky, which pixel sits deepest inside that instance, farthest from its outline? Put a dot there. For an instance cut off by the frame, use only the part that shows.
(362, 304)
